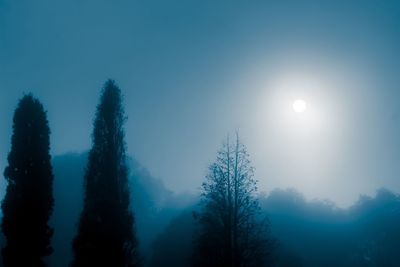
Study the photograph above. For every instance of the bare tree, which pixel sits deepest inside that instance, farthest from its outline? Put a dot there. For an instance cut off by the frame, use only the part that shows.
(232, 232)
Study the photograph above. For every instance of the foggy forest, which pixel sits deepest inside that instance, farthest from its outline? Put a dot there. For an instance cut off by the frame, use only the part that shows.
(174, 133)
(110, 211)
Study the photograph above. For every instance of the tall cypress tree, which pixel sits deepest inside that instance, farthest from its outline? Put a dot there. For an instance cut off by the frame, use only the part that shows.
(106, 235)
(28, 202)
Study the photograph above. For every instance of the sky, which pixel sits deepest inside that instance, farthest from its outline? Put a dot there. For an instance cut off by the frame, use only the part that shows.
(194, 71)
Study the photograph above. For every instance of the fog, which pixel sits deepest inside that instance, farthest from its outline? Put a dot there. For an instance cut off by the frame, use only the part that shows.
(189, 77)
(196, 71)
(305, 233)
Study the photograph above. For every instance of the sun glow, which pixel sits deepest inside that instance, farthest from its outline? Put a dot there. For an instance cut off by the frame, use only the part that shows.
(296, 106)
(299, 105)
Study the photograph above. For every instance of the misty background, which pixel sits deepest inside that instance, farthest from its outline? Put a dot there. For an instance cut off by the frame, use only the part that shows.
(192, 71)
(306, 233)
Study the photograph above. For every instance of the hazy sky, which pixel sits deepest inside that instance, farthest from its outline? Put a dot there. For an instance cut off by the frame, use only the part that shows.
(192, 71)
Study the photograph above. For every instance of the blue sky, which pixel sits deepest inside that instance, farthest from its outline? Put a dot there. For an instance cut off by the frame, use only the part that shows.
(192, 71)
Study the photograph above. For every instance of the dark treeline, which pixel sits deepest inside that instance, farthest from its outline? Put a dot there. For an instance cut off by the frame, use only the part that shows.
(106, 235)
(306, 233)
(229, 234)
(110, 211)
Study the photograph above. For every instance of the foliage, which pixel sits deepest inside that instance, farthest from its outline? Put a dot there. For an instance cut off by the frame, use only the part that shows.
(106, 228)
(28, 202)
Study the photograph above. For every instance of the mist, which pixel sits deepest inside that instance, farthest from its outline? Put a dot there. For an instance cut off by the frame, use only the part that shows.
(199, 133)
(305, 233)
(196, 71)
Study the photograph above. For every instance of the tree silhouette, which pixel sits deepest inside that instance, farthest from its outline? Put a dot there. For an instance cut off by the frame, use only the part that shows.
(106, 228)
(28, 202)
(231, 232)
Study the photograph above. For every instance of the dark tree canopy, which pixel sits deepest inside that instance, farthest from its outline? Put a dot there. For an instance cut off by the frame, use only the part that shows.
(106, 228)
(28, 202)
(231, 233)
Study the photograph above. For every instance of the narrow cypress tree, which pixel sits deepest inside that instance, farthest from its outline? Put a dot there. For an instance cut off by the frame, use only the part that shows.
(28, 202)
(106, 228)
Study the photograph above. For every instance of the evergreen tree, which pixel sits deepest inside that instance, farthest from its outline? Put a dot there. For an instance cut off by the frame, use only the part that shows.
(231, 233)
(28, 202)
(106, 228)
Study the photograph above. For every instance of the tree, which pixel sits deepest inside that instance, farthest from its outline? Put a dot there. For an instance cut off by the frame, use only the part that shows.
(106, 228)
(28, 202)
(231, 232)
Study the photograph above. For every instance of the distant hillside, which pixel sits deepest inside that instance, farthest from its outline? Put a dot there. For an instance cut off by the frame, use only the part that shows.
(319, 234)
(68, 170)
(308, 234)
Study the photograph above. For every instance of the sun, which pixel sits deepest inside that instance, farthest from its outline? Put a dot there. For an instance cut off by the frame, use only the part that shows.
(299, 105)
